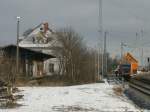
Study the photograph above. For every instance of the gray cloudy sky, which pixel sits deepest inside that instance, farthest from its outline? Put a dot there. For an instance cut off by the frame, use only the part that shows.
(121, 18)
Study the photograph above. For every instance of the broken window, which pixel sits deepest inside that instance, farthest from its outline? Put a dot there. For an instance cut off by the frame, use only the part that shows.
(51, 67)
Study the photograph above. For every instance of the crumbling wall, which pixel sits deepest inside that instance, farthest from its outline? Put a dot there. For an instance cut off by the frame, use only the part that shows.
(7, 70)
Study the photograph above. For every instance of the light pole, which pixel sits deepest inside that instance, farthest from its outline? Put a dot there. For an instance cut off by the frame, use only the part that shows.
(17, 51)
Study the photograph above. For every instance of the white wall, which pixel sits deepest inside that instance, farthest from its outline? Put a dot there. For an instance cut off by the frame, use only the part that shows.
(54, 61)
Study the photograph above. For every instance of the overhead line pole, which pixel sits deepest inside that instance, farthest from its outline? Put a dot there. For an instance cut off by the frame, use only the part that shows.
(17, 51)
(105, 55)
(142, 53)
(121, 55)
(98, 59)
(101, 36)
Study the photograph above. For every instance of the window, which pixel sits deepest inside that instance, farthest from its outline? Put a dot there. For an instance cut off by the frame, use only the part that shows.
(51, 67)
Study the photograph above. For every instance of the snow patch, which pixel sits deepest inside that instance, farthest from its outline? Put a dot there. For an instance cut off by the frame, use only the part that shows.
(90, 98)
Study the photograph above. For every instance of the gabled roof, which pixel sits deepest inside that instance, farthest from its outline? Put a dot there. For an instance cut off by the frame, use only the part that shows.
(36, 28)
(40, 36)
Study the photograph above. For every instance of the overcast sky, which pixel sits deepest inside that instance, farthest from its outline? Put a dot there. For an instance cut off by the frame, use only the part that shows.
(121, 18)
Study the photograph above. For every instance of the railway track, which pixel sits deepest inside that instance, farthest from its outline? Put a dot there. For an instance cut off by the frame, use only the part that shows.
(139, 91)
(141, 86)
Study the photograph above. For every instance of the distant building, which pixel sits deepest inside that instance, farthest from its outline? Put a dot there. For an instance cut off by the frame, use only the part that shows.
(42, 38)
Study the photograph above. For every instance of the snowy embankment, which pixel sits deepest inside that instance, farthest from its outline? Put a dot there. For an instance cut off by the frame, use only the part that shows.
(83, 98)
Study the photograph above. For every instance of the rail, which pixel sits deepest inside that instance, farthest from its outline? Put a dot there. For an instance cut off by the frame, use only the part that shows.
(139, 90)
(141, 85)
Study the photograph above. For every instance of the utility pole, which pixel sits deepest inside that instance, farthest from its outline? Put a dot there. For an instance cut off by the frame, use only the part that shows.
(95, 65)
(98, 65)
(105, 55)
(121, 52)
(101, 37)
(17, 51)
(142, 53)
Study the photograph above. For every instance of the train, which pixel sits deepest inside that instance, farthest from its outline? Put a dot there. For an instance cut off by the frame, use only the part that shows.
(128, 67)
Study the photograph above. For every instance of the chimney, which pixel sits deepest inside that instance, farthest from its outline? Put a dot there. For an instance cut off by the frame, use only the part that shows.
(45, 27)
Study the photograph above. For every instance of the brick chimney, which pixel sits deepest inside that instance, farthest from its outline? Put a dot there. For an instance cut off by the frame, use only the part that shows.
(45, 27)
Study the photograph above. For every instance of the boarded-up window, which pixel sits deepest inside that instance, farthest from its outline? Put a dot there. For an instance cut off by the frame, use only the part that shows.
(51, 67)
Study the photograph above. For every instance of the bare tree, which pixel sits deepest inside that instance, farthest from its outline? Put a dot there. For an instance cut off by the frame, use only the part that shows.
(76, 61)
(7, 73)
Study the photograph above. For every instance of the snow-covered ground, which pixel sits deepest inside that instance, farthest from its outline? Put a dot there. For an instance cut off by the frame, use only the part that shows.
(97, 97)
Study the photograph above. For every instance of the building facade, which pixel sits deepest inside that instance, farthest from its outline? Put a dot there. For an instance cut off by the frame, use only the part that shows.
(42, 38)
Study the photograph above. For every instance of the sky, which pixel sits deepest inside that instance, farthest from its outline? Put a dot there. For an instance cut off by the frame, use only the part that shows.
(121, 19)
